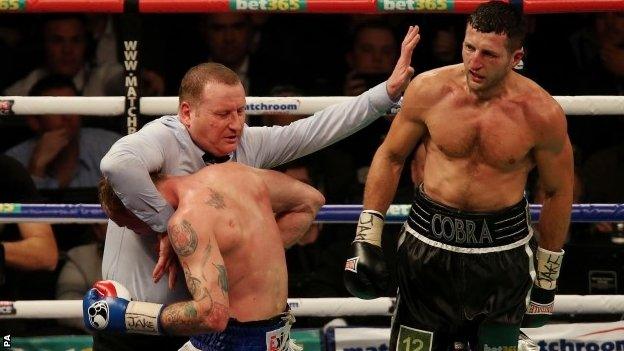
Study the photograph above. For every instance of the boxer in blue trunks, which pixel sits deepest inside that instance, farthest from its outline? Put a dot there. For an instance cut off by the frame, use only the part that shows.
(229, 230)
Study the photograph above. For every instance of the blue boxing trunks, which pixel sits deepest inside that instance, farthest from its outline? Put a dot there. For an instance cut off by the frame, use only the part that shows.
(463, 277)
(267, 335)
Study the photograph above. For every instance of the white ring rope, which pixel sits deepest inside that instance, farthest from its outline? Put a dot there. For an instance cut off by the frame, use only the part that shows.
(318, 307)
(155, 106)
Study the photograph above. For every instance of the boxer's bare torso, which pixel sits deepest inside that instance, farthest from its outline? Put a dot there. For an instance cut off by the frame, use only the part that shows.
(229, 207)
(479, 153)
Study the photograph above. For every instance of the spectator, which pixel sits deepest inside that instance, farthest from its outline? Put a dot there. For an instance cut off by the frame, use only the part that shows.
(102, 29)
(12, 34)
(107, 51)
(83, 267)
(36, 250)
(338, 177)
(314, 267)
(230, 42)
(598, 51)
(603, 173)
(62, 154)
(599, 55)
(28, 251)
(65, 46)
(374, 49)
(444, 46)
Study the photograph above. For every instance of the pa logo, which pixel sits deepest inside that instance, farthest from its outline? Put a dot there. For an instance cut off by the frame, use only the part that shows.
(98, 315)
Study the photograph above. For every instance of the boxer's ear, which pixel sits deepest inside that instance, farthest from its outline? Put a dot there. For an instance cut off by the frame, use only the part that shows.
(185, 113)
(517, 57)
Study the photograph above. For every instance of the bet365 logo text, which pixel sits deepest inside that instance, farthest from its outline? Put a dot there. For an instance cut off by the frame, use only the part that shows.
(6, 341)
(414, 5)
(268, 5)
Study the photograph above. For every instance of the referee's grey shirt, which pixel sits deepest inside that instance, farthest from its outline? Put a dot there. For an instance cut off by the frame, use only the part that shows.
(164, 144)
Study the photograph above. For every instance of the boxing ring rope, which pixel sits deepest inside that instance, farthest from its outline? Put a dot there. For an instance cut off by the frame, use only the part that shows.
(307, 6)
(92, 213)
(314, 307)
(302, 105)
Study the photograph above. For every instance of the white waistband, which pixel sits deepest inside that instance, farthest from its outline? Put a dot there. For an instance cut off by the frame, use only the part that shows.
(468, 250)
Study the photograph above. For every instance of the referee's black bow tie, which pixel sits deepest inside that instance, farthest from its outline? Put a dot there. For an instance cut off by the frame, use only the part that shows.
(210, 158)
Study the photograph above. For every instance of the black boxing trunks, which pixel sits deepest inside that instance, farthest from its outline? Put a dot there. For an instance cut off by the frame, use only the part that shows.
(267, 335)
(463, 277)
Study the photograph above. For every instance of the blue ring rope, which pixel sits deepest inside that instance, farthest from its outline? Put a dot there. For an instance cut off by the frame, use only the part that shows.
(587, 213)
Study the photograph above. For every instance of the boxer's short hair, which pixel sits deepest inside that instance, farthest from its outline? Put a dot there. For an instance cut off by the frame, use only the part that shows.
(501, 18)
(108, 199)
(111, 203)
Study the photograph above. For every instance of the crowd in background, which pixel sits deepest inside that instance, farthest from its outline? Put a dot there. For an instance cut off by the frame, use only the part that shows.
(275, 55)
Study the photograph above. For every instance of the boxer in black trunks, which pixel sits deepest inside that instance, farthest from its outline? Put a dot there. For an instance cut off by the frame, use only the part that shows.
(467, 260)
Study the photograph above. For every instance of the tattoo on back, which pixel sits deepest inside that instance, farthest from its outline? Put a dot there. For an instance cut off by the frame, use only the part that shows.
(183, 238)
(215, 200)
(223, 281)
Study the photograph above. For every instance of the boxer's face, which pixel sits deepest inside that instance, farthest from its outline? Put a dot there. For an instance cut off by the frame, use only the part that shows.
(216, 122)
(487, 59)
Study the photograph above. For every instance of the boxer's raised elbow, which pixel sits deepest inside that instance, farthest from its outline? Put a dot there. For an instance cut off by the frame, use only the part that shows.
(309, 202)
(313, 203)
(317, 200)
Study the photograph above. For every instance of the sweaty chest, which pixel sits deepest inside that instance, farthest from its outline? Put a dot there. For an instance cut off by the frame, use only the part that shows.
(498, 137)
